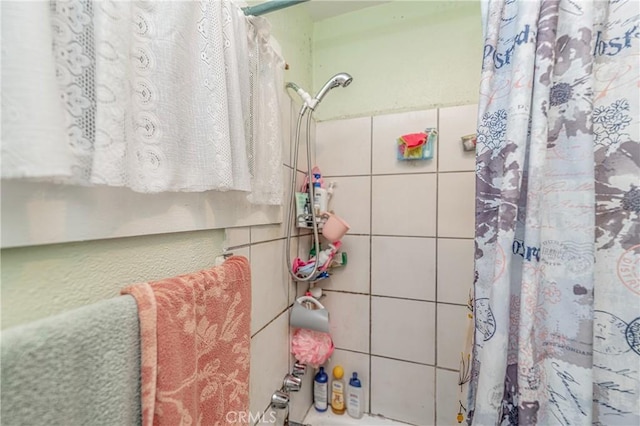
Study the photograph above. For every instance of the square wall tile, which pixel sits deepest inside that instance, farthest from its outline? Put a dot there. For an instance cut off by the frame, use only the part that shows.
(350, 362)
(353, 277)
(454, 123)
(351, 201)
(453, 324)
(447, 397)
(301, 401)
(269, 362)
(260, 233)
(349, 318)
(403, 329)
(302, 149)
(269, 286)
(404, 205)
(343, 147)
(455, 270)
(304, 246)
(386, 131)
(402, 391)
(403, 267)
(237, 236)
(456, 204)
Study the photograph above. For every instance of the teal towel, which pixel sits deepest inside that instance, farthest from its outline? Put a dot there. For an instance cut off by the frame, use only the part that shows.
(78, 368)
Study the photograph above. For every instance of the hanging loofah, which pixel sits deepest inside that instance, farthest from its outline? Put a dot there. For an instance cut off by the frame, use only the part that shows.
(311, 347)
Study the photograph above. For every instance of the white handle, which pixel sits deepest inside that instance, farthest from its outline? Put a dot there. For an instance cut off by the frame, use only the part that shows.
(310, 299)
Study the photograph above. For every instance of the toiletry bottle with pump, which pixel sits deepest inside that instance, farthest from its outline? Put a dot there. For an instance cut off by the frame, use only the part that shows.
(320, 384)
(319, 198)
(355, 407)
(337, 391)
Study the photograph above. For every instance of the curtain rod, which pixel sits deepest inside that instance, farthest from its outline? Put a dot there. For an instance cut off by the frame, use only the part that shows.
(270, 6)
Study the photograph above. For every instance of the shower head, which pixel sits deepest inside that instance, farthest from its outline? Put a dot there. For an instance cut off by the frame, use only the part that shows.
(342, 79)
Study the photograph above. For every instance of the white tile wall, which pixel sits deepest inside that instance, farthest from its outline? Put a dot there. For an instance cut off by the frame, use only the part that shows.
(237, 236)
(269, 232)
(452, 331)
(455, 270)
(269, 287)
(454, 123)
(403, 329)
(343, 147)
(403, 267)
(350, 362)
(392, 206)
(349, 318)
(300, 401)
(351, 201)
(447, 397)
(456, 204)
(402, 390)
(269, 362)
(353, 277)
(404, 205)
(302, 149)
(388, 128)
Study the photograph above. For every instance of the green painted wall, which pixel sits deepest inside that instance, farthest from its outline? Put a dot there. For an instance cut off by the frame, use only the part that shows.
(45, 280)
(403, 55)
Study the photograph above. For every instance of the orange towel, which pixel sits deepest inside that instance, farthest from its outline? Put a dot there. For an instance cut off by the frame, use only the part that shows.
(195, 334)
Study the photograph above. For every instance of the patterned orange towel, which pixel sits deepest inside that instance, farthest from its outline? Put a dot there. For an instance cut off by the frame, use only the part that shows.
(195, 334)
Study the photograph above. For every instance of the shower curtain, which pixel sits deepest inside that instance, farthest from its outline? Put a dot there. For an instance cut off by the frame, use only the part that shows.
(557, 284)
(151, 95)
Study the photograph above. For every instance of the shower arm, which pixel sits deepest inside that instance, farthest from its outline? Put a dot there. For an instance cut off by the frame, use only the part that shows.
(307, 100)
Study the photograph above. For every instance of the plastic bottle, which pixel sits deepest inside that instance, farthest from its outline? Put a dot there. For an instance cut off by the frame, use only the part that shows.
(355, 406)
(320, 384)
(319, 198)
(337, 391)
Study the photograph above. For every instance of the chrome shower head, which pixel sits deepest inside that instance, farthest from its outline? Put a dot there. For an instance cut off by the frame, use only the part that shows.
(342, 79)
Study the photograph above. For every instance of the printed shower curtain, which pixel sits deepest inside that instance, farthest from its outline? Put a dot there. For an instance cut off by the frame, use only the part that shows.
(557, 286)
(150, 95)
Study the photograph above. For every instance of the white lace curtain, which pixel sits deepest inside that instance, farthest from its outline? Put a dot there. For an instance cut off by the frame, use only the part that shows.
(150, 95)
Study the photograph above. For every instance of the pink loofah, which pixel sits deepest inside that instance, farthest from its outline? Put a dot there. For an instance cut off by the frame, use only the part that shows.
(311, 347)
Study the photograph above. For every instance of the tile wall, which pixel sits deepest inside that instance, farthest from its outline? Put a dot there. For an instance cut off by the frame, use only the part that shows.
(272, 291)
(398, 308)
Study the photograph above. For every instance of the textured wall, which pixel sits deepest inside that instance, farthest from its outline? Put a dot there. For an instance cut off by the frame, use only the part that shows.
(403, 55)
(44, 280)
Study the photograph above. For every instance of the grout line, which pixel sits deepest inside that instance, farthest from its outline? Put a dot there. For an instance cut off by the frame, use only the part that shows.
(271, 320)
(349, 234)
(453, 370)
(385, 296)
(370, 260)
(371, 355)
(271, 240)
(404, 236)
(435, 320)
(380, 174)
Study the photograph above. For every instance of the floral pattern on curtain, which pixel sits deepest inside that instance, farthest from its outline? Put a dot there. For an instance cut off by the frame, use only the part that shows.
(557, 288)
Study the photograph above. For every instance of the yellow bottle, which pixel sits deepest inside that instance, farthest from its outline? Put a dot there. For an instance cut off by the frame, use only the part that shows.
(337, 391)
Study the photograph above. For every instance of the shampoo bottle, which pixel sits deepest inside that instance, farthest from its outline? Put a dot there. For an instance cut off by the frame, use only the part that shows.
(320, 384)
(337, 391)
(355, 407)
(320, 199)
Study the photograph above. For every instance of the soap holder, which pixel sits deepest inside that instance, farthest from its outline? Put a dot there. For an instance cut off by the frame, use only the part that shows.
(417, 146)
